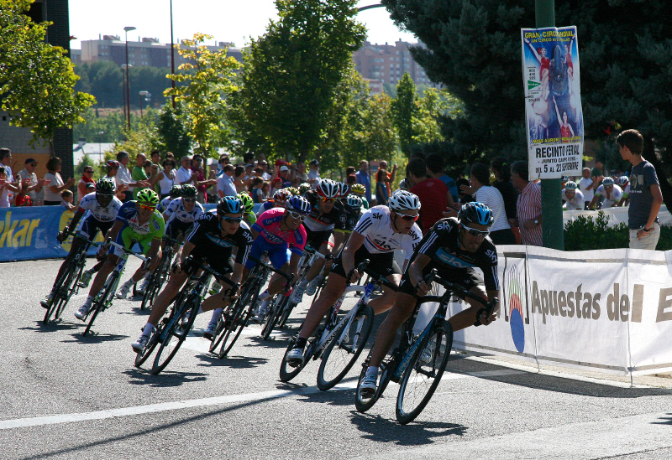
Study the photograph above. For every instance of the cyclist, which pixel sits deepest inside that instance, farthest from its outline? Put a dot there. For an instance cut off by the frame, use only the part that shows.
(248, 203)
(572, 196)
(380, 231)
(293, 191)
(360, 190)
(279, 233)
(182, 212)
(612, 194)
(175, 192)
(624, 183)
(303, 188)
(102, 207)
(327, 214)
(137, 221)
(213, 240)
(454, 247)
(280, 197)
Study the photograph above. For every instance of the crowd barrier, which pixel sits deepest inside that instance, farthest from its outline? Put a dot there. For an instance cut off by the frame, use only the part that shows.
(29, 233)
(616, 215)
(607, 310)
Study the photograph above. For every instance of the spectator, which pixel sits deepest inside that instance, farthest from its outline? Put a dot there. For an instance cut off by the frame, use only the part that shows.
(266, 190)
(166, 178)
(3, 187)
(212, 175)
(435, 169)
(364, 178)
(239, 179)
(597, 173)
(281, 178)
(225, 185)
(138, 173)
(463, 186)
(500, 232)
(170, 155)
(10, 186)
(52, 193)
(572, 197)
(124, 176)
(383, 180)
(112, 170)
(314, 173)
(528, 206)
(502, 171)
(609, 193)
(67, 198)
(299, 174)
(35, 185)
(201, 187)
(257, 192)
(433, 193)
(645, 195)
(23, 199)
(155, 156)
(248, 158)
(587, 187)
(184, 175)
(349, 171)
(86, 184)
(264, 170)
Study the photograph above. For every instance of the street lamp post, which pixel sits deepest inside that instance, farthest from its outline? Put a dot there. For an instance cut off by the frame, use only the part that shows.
(127, 100)
(172, 54)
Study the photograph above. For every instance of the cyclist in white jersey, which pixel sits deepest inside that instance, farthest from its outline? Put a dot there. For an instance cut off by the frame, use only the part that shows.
(182, 212)
(573, 197)
(175, 192)
(380, 231)
(611, 193)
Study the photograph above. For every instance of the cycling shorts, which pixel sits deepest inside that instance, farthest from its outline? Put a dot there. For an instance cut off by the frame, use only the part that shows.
(467, 278)
(176, 226)
(383, 263)
(279, 254)
(91, 225)
(317, 239)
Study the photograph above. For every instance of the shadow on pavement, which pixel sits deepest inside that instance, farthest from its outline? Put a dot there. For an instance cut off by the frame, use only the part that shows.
(165, 379)
(95, 337)
(664, 420)
(379, 429)
(234, 362)
(53, 326)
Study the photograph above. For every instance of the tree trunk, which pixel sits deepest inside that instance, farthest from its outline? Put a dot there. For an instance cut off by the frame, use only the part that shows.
(649, 154)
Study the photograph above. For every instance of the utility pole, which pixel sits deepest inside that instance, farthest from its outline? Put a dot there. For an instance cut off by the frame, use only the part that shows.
(553, 231)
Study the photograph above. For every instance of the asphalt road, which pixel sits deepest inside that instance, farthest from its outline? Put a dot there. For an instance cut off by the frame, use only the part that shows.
(67, 396)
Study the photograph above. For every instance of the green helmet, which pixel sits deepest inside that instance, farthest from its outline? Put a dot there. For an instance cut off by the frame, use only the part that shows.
(188, 191)
(303, 188)
(294, 191)
(147, 196)
(105, 186)
(248, 203)
(175, 191)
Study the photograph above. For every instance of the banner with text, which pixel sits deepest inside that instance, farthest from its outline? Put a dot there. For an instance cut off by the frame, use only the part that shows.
(553, 115)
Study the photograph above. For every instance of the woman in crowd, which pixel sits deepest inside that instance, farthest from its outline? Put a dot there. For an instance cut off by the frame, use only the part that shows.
(166, 177)
(52, 193)
(86, 183)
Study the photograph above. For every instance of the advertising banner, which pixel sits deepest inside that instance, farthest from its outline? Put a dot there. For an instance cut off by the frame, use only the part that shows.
(553, 115)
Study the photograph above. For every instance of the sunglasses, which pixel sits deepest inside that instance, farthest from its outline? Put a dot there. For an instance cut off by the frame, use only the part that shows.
(232, 220)
(324, 199)
(296, 215)
(409, 218)
(144, 206)
(474, 232)
(189, 200)
(35, 164)
(88, 172)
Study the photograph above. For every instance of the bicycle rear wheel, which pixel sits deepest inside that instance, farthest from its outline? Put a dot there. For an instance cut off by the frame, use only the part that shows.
(234, 331)
(424, 372)
(274, 316)
(288, 372)
(141, 357)
(62, 294)
(344, 349)
(364, 404)
(175, 333)
(101, 301)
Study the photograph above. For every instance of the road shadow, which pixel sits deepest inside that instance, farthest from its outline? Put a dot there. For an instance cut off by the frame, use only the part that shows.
(379, 429)
(664, 420)
(273, 342)
(53, 326)
(94, 337)
(167, 378)
(234, 362)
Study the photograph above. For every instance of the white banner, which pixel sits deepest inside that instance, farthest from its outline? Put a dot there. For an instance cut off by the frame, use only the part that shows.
(554, 118)
(608, 310)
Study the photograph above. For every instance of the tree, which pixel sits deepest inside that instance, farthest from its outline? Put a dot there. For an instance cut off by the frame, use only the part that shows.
(202, 101)
(83, 163)
(404, 111)
(473, 48)
(172, 132)
(290, 75)
(36, 79)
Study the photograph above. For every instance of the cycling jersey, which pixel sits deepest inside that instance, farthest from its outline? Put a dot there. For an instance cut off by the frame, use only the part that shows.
(268, 226)
(270, 204)
(441, 244)
(101, 214)
(210, 245)
(352, 217)
(576, 203)
(379, 235)
(320, 222)
(614, 196)
(132, 230)
(176, 211)
(163, 205)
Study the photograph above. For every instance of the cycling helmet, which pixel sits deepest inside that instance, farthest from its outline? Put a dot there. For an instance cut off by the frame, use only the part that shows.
(475, 213)
(188, 191)
(401, 200)
(280, 196)
(298, 204)
(248, 203)
(147, 196)
(175, 191)
(230, 205)
(113, 164)
(402, 184)
(293, 190)
(328, 188)
(344, 189)
(354, 201)
(359, 189)
(607, 181)
(303, 188)
(570, 186)
(564, 179)
(622, 180)
(105, 186)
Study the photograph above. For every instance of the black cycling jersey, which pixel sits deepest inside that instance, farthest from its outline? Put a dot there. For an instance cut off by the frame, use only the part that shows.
(442, 245)
(352, 217)
(317, 222)
(209, 244)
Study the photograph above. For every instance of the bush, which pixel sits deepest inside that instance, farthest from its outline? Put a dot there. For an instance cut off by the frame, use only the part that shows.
(586, 233)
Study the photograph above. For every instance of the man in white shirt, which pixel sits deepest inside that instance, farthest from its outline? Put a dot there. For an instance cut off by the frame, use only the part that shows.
(123, 176)
(35, 185)
(185, 175)
(587, 186)
(225, 186)
(314, 173)
(6, 196)
(263, 164)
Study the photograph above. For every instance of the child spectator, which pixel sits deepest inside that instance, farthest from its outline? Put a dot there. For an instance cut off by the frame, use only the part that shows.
(23, 199)
(67, 198)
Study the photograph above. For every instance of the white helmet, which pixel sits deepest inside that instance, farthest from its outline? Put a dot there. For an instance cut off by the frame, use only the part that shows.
(401, 200)
(622, 180)
(570, 186)
(607, 181)
(328, 188)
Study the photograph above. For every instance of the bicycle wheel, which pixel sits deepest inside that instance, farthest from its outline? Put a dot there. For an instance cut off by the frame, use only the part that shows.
(62, 294)
(101, 301)
(424, 372)
(284, 314)
(344, 349)
(141, 357)
(274, 316)
(175, 333)
(288, 372)
(234, 331)
(362, 404)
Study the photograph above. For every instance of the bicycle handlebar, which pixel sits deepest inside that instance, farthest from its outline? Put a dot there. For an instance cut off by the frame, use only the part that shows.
(109, 242)
(289, 278)
(190, 261)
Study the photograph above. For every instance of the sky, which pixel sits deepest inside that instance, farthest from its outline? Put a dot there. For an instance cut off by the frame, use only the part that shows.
(226, 20)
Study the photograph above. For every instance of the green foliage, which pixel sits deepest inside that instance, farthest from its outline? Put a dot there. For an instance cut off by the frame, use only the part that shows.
(172, 132)
(36, 79)
(203, 105)
(291, 74)
(111, 126)
(404, 111)
(84, 162)
(585, 233)
(142, 138)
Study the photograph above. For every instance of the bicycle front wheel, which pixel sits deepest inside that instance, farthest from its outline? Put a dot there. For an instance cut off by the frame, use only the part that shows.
(274, 316)
(141, 357)
(344, 349)
(175, 333)
(100, 303)
(424, 372)
(364, 404)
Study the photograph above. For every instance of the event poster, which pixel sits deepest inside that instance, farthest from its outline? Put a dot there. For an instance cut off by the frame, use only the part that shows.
(553, 114)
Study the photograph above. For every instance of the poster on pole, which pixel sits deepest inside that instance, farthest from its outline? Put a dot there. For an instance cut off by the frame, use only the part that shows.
(553, 114)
